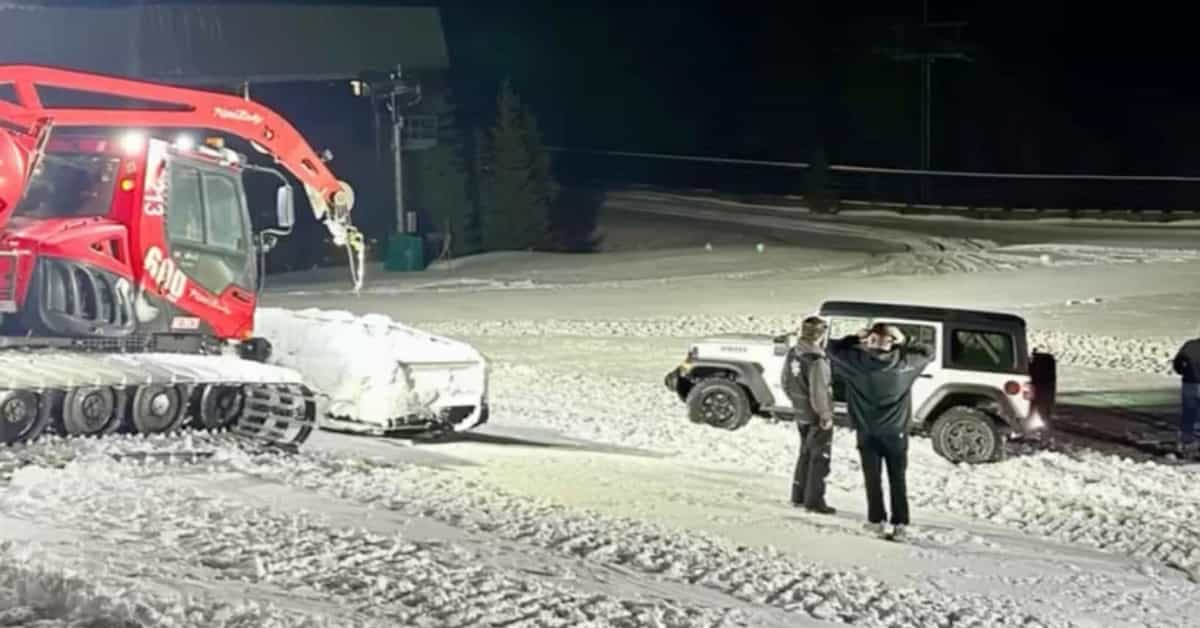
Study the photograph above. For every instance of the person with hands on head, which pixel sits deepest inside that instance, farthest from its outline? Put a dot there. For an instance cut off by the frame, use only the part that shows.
(807, 382)
(879, 370)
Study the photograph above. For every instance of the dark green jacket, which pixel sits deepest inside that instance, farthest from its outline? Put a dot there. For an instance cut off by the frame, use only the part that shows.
(878, 384)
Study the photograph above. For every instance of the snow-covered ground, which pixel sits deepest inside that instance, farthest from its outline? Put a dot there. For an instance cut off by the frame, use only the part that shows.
(590, 500)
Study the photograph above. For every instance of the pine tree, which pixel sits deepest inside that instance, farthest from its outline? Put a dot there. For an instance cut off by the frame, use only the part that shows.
(541, 179)
(444, 192)
(516, 213)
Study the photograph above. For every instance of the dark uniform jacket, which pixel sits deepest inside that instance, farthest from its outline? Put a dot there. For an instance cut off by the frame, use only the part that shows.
(807, 382)
(1187, 361)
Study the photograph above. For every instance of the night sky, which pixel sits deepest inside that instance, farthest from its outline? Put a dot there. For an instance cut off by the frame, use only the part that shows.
(1053, 87)
(1095, 88)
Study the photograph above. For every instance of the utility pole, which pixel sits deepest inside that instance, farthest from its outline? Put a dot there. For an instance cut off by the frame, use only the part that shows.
(931, 42)
(399, 96)
(395, 95)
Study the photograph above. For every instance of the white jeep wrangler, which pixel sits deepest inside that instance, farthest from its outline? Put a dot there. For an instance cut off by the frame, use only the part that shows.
(977, 392)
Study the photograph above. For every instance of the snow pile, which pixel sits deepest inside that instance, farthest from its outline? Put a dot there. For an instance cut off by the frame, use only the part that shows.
(1141, 355)
(373, 368)
(1144, 355)
(1141, 509)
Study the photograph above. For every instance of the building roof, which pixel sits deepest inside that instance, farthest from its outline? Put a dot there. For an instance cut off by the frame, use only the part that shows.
(861, 309)
(224, 43)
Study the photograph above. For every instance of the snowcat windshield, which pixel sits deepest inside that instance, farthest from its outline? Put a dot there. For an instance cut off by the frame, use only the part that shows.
(70, 185)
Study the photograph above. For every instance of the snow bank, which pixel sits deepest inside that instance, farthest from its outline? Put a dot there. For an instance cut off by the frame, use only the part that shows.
(1144, 355)
(375, 370)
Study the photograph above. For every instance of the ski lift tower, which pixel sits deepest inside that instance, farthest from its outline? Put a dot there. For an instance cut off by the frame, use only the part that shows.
(925, 43)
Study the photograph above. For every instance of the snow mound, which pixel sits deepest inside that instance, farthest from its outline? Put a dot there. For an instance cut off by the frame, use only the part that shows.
(1143, 355)
(374, 369)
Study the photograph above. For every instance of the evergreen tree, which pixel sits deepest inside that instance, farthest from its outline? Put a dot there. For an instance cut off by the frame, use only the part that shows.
(444, 190)
(516, 212)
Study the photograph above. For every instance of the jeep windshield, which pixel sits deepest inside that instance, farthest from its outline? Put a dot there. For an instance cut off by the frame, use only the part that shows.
(70, 185)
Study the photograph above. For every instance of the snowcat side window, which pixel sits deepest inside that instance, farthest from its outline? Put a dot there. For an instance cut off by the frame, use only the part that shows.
(185, 215)
(70, 185)
(225, 226)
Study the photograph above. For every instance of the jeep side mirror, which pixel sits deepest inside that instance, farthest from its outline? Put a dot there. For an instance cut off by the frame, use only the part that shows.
(285, 207)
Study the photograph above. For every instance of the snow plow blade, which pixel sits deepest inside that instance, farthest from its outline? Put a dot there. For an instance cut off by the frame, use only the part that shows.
(93, 394)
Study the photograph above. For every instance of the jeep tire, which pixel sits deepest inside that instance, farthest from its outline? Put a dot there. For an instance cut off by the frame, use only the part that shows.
(966, 434)
(719, 402)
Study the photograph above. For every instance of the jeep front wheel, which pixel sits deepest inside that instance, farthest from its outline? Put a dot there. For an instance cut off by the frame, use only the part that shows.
(966, 434)
(719, 402)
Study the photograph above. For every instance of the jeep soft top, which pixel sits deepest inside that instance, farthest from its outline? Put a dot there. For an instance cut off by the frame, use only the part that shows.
(866, 309)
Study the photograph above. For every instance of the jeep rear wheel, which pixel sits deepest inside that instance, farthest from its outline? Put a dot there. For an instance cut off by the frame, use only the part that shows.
(719, 402)
(966, 434)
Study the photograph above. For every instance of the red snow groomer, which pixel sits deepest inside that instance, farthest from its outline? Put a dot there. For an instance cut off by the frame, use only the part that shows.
(129, 264)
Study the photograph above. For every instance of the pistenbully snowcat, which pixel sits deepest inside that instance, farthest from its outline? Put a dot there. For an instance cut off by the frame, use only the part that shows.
(129, 264)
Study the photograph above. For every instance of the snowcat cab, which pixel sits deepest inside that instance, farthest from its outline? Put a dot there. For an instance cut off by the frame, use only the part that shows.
(128, 272)
(96, 208)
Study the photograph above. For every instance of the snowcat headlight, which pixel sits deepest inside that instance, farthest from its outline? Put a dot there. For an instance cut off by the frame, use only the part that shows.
(133, 142)
(185, 142)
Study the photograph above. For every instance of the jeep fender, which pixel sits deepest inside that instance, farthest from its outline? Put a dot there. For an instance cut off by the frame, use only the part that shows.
(1007, 412)
(744, 373)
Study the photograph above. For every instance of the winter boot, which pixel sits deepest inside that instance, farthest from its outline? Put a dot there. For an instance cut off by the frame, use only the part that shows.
(878, 529)
(899, 532)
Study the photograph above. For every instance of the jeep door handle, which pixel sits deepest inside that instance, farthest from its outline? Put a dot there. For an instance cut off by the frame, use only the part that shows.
(925, 376)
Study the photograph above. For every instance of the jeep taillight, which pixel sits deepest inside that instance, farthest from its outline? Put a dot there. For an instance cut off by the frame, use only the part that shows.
(1011, 387)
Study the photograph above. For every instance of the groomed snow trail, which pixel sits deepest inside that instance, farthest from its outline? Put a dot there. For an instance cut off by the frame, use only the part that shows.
(382, 578)
(146, 519)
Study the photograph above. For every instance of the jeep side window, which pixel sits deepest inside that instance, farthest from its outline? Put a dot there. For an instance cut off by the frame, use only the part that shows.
(920, 335)
(840, 327)
(974, 350)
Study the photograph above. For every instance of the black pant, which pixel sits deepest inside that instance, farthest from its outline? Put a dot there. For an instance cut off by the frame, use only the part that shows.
(875, 451)
(808, 484)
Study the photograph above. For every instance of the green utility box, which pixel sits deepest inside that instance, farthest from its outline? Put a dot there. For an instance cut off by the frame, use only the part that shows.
(405, 253)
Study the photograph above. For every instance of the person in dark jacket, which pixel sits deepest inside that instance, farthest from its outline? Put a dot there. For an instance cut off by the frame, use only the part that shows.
(879, 372)
(807, 382)
(1187, 365)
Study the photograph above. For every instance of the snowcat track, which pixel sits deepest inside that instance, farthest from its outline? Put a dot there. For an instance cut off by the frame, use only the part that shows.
(273, 404)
